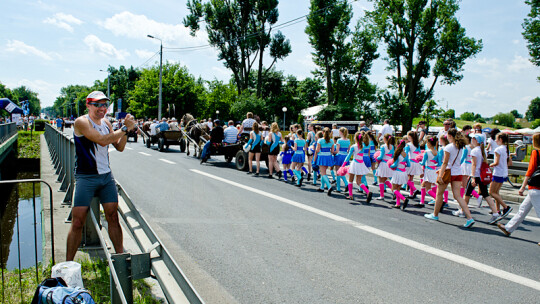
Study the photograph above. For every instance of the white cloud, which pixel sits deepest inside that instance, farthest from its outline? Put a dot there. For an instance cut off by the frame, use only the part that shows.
(139, 26)
(63, 21)
(519, 63)
(23, 48)
(104, 48)
(515, 41)
(483, 95)
(144, 54)
(47, 92)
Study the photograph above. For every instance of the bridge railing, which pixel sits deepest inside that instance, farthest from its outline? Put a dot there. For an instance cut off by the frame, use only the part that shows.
(152, 258)
(6, 131)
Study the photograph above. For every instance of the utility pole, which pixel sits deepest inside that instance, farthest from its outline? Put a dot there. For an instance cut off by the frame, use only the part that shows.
(160, 72)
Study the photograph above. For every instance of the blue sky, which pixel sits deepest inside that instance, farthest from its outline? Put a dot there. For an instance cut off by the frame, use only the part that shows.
(46, 45)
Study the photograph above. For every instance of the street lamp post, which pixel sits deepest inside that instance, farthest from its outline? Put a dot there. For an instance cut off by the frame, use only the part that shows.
(160, 71)
(284, 109)
(108, 83)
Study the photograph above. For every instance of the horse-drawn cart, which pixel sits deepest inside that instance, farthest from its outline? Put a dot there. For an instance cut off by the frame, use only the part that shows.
(164, 139)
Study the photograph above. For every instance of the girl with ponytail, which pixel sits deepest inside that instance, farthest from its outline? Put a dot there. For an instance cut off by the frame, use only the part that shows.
(452, 152)
(324, 159)
(430, 162)
(358, 166)
(383, 171)
(500, 172)
(342, 149)
(413, 151)
(400, 177)
(373, 145)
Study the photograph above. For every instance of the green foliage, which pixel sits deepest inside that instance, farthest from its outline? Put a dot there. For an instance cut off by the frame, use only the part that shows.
(535, 123)
(505, 119)
(328, 28)
(181, 92)
(19, 94)
(424, 39)
(431, 112)
(39, 124)
(248, 102)
(516, 114)
(531, 31)
(29, 144)
(231, 26)
(310, 92)
(533, 112)
(467, 116)
(451, 113)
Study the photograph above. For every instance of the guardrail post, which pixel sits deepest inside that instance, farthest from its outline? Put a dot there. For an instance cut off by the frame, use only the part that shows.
(70, 176)
(65, 163)
(90, 234)
(122, 265)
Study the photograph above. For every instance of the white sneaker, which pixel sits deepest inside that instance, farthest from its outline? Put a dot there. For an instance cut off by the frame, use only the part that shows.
(458, 213)
(480, 198)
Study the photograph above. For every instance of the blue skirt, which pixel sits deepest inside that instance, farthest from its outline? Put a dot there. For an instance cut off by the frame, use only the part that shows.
(286, 159)
(325, 160)
(339, 159)
(299, 158)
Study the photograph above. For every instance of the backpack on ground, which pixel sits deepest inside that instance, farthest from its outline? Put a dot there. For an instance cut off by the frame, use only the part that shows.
(486, 174)
(55, 291)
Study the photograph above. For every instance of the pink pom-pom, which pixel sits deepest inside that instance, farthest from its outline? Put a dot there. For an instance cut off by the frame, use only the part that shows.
(390, 162)
(377, 155)
(342, 171)
(420, 157)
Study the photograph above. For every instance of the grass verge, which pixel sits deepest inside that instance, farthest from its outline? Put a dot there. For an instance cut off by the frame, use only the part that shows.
(95, 275)
(28, 144)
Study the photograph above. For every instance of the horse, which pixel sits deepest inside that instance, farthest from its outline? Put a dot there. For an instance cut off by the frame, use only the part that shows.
(196, 131)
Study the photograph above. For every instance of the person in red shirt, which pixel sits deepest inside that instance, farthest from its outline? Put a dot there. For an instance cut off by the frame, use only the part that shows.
(533, 195)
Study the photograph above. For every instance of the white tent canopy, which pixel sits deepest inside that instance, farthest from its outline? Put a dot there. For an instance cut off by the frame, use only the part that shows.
(525, 131)
(311, 111)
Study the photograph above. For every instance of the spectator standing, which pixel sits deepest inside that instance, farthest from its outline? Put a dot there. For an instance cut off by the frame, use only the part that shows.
(59, 123)
(386, 129)
(421, 131)
(363, 127)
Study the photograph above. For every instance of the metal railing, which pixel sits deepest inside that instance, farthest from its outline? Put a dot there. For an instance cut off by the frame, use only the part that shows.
(33, 181)
(7, 131)
(125, 267)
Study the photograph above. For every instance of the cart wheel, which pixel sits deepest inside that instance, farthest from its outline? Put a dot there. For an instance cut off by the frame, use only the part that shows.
(241, 160)
(148, 142)
(182, 145)
(161, 144)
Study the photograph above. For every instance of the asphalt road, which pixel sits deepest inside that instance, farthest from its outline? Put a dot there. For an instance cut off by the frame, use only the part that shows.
(246, 239)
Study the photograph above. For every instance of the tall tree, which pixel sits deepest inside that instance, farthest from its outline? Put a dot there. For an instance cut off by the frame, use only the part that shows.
(23, 93)
(424, 42)
(328, 28)
(533, 112)
(531, 31)
(241, 31)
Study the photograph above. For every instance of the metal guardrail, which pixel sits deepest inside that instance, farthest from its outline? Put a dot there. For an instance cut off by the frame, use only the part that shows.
(6, 131)
(153, 257)
(33, 181)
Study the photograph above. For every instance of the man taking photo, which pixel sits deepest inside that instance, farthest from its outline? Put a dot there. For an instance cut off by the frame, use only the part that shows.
(93, 134)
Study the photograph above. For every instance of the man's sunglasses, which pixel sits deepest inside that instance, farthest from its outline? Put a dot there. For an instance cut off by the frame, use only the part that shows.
(99, 105)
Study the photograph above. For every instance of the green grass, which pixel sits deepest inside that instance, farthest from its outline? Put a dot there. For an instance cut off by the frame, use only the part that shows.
(29, 144)
(95, 278)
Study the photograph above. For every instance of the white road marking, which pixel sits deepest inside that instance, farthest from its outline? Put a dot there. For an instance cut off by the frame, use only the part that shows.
(128, 148)
(144, 153)
(390, 236)
(167, 161)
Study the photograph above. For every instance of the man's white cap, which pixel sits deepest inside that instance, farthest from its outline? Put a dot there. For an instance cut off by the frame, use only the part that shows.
(96, 96)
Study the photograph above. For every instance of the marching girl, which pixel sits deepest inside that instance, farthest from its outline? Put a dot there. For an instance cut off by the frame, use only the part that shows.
(313, 148)
(324, 159)
(400, 177)
(500, 172)
(299, 156)
(274, 141)
(466, 161)
(373, 145)
(255, 140)
(443, 142)
(310, 139)
(431, 163)
(366, 150)
(383, 171)
(478, 156)
(286, 157)
(413, 150)
(342, 149)
(452, 152)
(358, 167)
